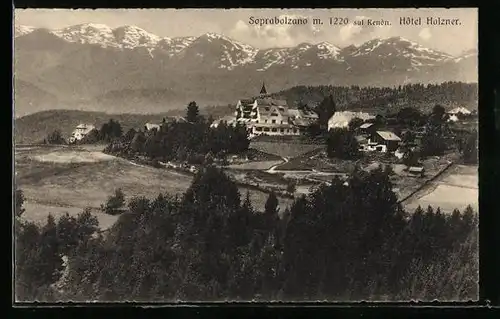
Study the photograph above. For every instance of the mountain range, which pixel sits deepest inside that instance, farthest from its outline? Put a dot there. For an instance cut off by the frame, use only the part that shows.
(127, 69)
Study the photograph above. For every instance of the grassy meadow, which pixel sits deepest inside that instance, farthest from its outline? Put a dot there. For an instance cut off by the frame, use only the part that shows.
(66, 179)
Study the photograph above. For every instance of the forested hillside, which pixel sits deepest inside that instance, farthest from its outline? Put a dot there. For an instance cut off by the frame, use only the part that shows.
(387, 99)
(32, 128)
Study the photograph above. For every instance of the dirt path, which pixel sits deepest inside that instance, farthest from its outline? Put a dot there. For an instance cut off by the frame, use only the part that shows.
(272, 169)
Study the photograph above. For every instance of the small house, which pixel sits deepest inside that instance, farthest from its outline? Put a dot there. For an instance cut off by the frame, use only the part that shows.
(387, 138)
(416, 171)
(80, 132)
(367, 128)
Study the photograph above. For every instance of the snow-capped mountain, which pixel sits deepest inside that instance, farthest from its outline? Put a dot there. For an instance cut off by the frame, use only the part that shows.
(400, 46)
(395, 53)
(126, 37)
(20, 30)
(86, 61)
(217, 51)
(468, 54)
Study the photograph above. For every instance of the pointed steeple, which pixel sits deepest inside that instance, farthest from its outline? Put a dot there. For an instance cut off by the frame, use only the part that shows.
(263, 91)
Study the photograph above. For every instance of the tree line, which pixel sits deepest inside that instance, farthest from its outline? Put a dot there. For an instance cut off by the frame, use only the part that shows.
(350, 97)
(108, 132)
(345, 241)
(193, 140)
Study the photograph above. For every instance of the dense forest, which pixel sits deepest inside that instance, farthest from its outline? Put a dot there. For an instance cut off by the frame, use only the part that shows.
(347, 241)
(386, 99)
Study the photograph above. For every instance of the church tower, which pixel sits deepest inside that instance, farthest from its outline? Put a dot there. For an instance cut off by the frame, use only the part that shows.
(263, 91)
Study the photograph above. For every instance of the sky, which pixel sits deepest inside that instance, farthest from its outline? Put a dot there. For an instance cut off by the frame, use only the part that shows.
(236, 24)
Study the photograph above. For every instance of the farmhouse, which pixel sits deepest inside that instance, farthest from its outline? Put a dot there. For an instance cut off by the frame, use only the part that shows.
(385, 138)
(342, 119)
(80, 132)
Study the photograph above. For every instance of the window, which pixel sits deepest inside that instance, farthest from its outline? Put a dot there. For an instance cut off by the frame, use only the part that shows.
(281, 122)
(282, 130)
(273, 121)
(266, 129)
(258, 129)
(267, 108)
(274, 114)
(274, 129)
(265, 121)
(257, 121)
(295, 130)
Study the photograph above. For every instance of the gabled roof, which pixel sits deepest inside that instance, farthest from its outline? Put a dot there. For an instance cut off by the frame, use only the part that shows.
(301, 122)
(267, 110)
(295, 112)
(85, 126)
(388, 136)
(271, 102)
(366, 125)
(343, 117)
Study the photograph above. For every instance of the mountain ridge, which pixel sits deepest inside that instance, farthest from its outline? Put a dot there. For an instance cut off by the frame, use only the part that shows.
(80, 65)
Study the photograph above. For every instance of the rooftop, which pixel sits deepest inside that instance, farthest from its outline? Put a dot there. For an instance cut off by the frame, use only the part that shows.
(84, 126)
(388, 136)
(271, 102)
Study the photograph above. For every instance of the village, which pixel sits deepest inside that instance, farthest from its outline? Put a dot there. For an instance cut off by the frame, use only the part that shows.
(283, 157)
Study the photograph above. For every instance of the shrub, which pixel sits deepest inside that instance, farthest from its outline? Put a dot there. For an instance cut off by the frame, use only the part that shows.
(115, 203)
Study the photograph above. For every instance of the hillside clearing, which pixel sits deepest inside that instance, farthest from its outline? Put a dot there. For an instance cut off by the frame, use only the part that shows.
(287, 150)
(61, 185)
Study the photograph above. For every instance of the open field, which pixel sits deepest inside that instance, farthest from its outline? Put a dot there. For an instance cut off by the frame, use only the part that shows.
(76, 178)
(316, 159)
(457, 188)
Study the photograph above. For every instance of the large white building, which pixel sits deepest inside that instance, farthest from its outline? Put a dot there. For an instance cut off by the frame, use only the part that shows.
(80, 132)
(268, 116)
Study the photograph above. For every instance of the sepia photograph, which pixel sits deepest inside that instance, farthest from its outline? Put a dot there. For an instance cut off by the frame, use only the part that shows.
(245, 155)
